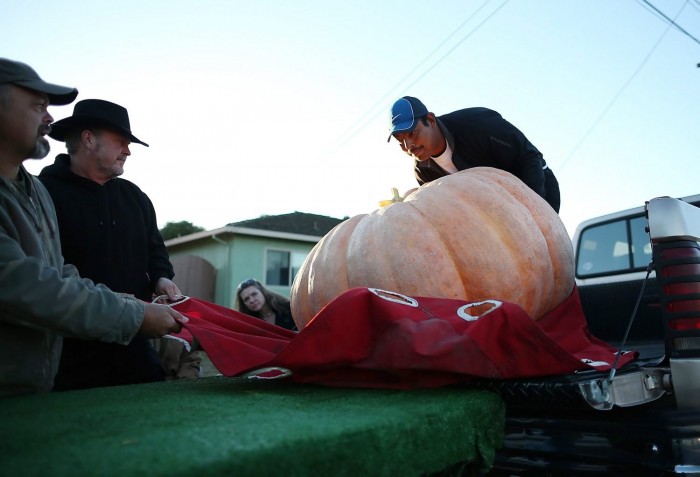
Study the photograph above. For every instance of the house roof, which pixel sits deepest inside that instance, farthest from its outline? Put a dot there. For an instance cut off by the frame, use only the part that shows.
(295, 226)
(295, 223)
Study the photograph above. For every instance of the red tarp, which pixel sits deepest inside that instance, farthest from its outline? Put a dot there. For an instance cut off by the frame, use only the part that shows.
(373, 338)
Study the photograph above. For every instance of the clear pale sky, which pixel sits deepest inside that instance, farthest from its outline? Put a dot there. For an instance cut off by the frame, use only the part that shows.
(270, 106)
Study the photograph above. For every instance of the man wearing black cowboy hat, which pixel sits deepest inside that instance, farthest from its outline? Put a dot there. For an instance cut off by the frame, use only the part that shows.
(42, 298)
(109, 232)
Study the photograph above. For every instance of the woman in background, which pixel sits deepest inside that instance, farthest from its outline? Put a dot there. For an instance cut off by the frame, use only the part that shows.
(255, 300)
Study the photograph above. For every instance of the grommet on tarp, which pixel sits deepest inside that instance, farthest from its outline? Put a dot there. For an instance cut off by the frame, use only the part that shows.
(272, 372)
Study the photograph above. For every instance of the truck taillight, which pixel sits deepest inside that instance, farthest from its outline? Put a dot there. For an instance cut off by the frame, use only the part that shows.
(677, 267)
(685, 324)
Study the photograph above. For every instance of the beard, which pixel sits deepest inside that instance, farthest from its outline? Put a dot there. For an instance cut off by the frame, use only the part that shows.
(41, 146)
(41, 149)
(110, 171)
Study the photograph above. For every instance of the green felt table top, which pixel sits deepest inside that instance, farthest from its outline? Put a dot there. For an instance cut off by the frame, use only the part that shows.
(242, 427)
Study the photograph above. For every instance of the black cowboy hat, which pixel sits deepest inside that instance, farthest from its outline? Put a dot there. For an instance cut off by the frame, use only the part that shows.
(96, 113)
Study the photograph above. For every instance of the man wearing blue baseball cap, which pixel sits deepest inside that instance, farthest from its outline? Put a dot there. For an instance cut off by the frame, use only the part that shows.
(471, 137)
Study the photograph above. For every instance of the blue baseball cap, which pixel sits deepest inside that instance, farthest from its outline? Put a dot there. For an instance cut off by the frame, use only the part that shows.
(405, 114)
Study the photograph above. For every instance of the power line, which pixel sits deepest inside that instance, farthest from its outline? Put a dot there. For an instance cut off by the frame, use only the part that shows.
(362, 123)
(458, 44)
(352, 131)
(672, 22)
(617, 95)
(649, 9)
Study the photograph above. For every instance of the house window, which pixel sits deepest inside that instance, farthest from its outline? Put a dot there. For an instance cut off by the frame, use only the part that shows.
(282, 266)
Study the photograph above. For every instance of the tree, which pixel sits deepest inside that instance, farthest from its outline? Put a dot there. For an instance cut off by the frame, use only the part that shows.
(178, 229)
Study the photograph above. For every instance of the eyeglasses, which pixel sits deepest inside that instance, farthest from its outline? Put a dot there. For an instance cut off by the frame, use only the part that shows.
(247, 283)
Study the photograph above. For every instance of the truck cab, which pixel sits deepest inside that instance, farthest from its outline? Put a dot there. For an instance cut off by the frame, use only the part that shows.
(613, 253)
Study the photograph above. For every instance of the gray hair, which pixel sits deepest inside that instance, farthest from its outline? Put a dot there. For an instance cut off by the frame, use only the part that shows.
(74, 138)
(73, 141)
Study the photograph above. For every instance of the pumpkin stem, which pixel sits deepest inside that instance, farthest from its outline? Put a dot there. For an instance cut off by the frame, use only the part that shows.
(397, 197)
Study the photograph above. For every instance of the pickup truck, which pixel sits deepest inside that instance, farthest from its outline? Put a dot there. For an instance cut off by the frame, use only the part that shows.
(638, 276)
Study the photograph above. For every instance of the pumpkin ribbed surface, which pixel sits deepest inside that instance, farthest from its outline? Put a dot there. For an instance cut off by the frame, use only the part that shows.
(473, 235)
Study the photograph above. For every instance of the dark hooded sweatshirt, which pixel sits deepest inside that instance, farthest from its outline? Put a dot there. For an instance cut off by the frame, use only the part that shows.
(109, 232)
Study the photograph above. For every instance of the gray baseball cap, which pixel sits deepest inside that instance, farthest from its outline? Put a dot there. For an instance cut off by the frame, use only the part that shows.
(21, 74)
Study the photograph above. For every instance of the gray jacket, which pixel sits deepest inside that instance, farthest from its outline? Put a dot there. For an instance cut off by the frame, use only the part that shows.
(41, 298)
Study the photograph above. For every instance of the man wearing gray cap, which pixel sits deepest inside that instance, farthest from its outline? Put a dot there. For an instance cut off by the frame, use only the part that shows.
(42, 298)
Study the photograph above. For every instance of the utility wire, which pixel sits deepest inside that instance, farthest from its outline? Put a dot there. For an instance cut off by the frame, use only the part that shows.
(458, 44)
(383, 98)
(650, 10)
(367, 115)
(617, 95)
(672, 22)
(695, 4)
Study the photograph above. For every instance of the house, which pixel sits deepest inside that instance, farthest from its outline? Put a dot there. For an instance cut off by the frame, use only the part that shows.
(210, 264)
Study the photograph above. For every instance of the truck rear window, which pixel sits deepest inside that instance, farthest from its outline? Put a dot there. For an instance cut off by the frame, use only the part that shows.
(614, 247)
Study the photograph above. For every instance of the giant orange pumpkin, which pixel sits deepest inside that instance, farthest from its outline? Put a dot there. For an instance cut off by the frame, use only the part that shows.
(474, 235)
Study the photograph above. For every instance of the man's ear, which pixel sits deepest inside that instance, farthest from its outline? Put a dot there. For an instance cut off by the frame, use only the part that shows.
(87, 138)
(432, 120)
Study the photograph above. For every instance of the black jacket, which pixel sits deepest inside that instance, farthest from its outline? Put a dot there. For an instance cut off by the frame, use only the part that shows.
(480, 137)
(284, 319)
(109, 232)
